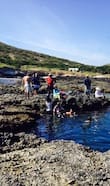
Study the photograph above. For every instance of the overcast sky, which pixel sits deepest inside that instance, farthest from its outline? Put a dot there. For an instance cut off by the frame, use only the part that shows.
(78, 30)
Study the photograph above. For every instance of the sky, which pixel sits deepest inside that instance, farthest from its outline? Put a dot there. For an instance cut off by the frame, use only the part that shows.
(78, 30)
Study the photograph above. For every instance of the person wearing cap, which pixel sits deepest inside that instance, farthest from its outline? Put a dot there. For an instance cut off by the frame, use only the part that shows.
(99, 93)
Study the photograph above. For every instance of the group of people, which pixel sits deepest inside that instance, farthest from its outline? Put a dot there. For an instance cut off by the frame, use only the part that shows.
(60, 106)
(60, 103)
(56, 99)
(31, 84)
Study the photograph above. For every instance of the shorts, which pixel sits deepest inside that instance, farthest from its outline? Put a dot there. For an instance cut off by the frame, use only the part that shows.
(27, 88)
(36, 87)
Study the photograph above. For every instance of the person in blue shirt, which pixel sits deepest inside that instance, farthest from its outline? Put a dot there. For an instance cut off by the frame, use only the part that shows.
(56, 93)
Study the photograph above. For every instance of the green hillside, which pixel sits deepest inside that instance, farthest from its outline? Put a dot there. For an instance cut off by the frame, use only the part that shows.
(23, 59)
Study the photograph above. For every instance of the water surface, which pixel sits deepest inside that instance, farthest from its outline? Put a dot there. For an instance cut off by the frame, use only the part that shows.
(95, 134)
(9, 81)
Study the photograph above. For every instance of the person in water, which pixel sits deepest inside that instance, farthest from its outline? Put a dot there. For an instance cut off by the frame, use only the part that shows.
(48, 104)
(70, 113)
(89, 119)
(58, 110)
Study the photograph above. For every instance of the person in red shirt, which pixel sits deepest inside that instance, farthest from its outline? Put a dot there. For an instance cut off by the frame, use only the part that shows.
(50, 83)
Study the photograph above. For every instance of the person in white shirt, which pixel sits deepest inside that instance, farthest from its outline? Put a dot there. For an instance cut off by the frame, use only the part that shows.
(99, 93)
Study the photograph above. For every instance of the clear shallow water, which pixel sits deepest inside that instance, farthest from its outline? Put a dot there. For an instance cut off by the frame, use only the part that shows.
(95, 135)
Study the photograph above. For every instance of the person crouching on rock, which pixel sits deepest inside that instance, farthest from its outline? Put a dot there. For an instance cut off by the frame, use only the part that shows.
(58, 110)
(99, 93)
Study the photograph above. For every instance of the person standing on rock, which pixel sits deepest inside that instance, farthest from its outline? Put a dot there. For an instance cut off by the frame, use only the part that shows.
(50, 83)
(26, 81)
(87, 83)
(35, 83)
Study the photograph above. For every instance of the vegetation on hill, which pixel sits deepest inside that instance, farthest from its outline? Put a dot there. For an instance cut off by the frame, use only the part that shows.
(24, 59)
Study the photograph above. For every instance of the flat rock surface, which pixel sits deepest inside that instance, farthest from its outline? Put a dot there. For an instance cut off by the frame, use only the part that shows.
(56, 163)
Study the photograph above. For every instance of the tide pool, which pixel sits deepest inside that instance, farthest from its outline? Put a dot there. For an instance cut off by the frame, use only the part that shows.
(95, 134)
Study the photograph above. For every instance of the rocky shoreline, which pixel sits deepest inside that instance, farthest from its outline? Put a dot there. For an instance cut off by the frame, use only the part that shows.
(58, 163)
(18, 113)
(26, 159)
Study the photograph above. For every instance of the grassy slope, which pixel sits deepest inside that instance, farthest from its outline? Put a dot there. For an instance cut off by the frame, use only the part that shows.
(29, 60)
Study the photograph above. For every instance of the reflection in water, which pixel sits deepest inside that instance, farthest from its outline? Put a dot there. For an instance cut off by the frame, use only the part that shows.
(95, 134)
(47, 126)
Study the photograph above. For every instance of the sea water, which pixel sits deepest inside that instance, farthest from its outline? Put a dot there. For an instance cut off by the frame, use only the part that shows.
(9, 81)
(94, 134)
